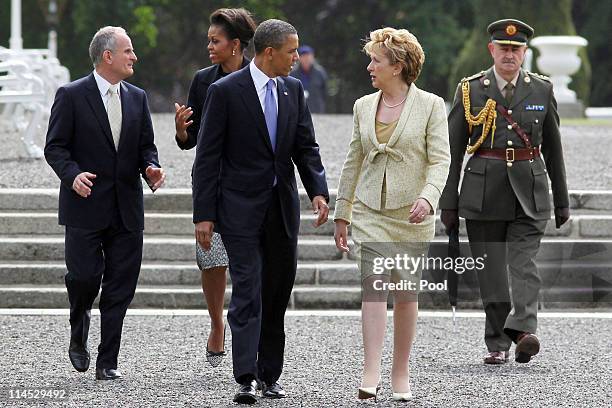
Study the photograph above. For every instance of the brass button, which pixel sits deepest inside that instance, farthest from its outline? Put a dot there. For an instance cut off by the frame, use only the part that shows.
(537, 121)
(509, 127)
(509, 164)
(509, 142)
(509, 111)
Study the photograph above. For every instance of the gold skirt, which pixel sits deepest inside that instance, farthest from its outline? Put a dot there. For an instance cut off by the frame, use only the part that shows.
(387, 244)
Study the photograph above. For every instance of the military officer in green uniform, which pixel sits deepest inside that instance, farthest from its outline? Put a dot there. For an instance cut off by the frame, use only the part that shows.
(506, 120)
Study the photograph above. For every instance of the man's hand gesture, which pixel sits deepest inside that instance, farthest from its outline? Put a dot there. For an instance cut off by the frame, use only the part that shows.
(155, 177)
(82, 184)
(320, 207)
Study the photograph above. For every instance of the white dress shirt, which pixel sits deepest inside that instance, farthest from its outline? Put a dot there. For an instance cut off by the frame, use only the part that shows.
(103, 86)
(261, 81)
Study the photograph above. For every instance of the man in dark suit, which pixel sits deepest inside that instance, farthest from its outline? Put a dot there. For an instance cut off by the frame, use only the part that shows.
(100, 139)
(255, 127)
(507, 117)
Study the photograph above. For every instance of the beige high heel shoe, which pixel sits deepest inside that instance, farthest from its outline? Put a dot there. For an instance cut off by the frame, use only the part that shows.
(365, 393)
(402, 396)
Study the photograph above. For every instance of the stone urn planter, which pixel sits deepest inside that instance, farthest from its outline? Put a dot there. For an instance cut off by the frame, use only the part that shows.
(559, 59)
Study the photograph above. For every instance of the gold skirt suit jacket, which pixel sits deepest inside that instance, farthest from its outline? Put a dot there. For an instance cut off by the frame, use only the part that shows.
(381, 181)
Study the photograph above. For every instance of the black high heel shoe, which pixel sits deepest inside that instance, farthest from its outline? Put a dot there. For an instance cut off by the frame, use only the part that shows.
(215, 358)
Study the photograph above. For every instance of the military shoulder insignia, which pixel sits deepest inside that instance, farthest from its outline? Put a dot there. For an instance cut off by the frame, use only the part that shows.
(539, 76)
(475, 76)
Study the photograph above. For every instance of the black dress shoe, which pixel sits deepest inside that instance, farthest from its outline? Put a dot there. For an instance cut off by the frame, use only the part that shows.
(246, 393)
(274, 390)
(496, 357)
(79, 357)
(107, 374)
(527, 346)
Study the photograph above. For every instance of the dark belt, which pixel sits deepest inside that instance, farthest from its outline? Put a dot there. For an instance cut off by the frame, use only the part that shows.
(510, 154)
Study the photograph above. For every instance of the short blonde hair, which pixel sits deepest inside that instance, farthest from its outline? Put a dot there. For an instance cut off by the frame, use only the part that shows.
(400, 46)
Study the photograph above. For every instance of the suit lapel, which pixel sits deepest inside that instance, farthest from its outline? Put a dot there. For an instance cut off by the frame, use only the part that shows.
(403, 119)
(523, 89)
(251, 100)
(95, 101)
(125, 112)
(492, 91)
(372, 118)
(211, 76)
(283, 113)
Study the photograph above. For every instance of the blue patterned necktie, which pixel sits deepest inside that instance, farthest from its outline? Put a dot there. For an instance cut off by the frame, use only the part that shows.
(270, 112)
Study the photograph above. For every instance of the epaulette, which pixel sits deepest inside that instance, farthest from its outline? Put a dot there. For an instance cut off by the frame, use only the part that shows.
(539, 76)
(475, 76)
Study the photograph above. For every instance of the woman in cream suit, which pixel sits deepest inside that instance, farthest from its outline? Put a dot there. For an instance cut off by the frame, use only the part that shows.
(392, 178)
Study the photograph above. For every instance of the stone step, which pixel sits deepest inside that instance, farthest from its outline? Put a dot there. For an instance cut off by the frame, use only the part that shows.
(310, 248)
(164, 200)
(582, 224)
(159, 248)
(179, 200)
(45, 223)
(577, 276)
(174, 273)
(303, 297)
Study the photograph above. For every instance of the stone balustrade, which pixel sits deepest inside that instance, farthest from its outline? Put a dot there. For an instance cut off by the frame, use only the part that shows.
(28, 82)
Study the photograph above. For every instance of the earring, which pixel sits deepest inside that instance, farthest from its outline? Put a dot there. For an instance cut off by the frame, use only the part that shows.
(395, 74)
(234, 51)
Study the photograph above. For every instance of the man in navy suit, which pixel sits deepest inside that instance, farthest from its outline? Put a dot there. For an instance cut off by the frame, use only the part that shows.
(100, 140)
(255, 128)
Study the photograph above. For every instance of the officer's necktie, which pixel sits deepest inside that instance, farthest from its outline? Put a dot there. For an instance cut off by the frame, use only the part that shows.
(270, 112)
(509, 92)
(113, 110)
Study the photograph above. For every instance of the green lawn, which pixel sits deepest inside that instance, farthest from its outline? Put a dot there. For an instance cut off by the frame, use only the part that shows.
(586, 122)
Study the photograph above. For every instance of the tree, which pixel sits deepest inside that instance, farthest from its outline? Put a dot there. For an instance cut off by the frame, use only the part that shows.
(592, 19)
(337, 28)
(169, 38)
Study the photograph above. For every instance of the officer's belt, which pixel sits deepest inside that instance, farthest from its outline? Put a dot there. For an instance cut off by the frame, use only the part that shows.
(515, 126)
(510, 154)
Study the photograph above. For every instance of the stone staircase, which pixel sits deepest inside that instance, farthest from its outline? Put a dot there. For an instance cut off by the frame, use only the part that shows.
(32, 251)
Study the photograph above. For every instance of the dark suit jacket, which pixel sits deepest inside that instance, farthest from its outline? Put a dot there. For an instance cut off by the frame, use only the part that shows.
(490, 189)
(79, 139)
(197, 96)
(235, 165)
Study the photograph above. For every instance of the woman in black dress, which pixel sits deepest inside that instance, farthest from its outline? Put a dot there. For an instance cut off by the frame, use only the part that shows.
(229, 34)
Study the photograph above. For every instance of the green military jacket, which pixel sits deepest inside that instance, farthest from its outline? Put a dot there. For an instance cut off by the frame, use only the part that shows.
(490, 189)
